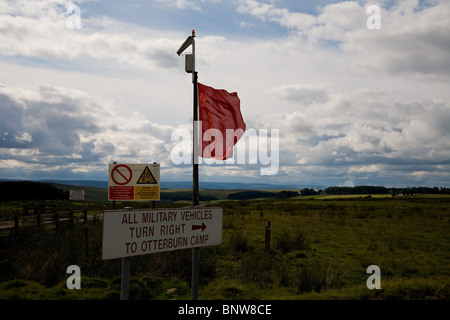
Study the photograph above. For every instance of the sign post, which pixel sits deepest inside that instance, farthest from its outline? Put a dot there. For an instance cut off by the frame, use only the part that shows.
(125, 279)
(128, 233)
(132, 182)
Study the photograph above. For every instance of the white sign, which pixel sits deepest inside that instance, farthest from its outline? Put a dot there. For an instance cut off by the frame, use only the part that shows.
(76, 195)
(133, 182)
(129, 233)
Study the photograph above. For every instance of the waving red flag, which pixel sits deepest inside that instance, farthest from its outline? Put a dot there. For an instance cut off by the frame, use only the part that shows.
(222, 124)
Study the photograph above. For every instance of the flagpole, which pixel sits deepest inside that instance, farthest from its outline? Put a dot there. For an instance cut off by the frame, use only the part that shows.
(195, 196)
(190, 68)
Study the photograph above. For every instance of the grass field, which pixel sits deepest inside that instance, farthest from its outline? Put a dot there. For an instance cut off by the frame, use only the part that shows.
(321, 247)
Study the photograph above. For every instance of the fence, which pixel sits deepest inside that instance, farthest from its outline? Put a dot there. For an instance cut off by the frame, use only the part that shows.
(42, 215)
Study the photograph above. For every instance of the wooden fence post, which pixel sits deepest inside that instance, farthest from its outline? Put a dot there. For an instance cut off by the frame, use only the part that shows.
(16, 224)
(86, 244)
(38, 219)
(71, 217)
(267, 239)
(56, 221)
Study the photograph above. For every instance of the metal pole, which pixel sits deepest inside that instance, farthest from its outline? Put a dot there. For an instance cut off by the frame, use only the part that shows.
(195, 189)
(195, 200)
(195, 197)
(195, 272)
(113, 204)
(125, 280)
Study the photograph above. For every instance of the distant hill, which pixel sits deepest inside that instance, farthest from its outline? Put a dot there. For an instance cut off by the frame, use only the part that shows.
(30, 190)
(183, 185)
(97, 190)
(182, 191)
(80, 183)
(226, 185)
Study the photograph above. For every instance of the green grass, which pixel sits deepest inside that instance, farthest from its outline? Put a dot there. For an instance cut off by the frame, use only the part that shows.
(320, 249)
(143, 288)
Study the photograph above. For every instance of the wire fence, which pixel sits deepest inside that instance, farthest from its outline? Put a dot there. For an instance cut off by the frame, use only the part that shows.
(40, 216)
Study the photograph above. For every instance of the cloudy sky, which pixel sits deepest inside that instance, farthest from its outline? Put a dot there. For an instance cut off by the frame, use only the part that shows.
(86, 83)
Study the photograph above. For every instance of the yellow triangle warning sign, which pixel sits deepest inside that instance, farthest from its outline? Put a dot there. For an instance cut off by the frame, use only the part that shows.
(146, 177)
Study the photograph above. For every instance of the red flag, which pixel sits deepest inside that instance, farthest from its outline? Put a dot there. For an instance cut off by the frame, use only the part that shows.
(222, 124)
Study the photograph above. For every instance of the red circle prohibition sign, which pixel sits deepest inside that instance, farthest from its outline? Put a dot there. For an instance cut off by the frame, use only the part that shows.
(125, 175)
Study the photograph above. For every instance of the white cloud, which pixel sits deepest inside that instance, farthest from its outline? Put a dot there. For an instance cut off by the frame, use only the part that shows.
(410, 41)
(302, 94)
(269, 12)
(371, 168)
(413, 38)
(351, 104)
(58, 128)
(44, 34)
(182, 4)
(364, 132)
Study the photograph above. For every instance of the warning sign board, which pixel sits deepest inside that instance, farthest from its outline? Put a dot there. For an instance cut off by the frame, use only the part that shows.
(133, 182)
(129, 233)
(147, 177)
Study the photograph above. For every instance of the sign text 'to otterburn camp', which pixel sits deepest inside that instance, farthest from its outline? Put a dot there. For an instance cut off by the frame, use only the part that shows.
(136, 232)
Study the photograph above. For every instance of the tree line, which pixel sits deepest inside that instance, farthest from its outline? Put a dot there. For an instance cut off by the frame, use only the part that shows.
(253, 194)
(29, 190)
(408, 191)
